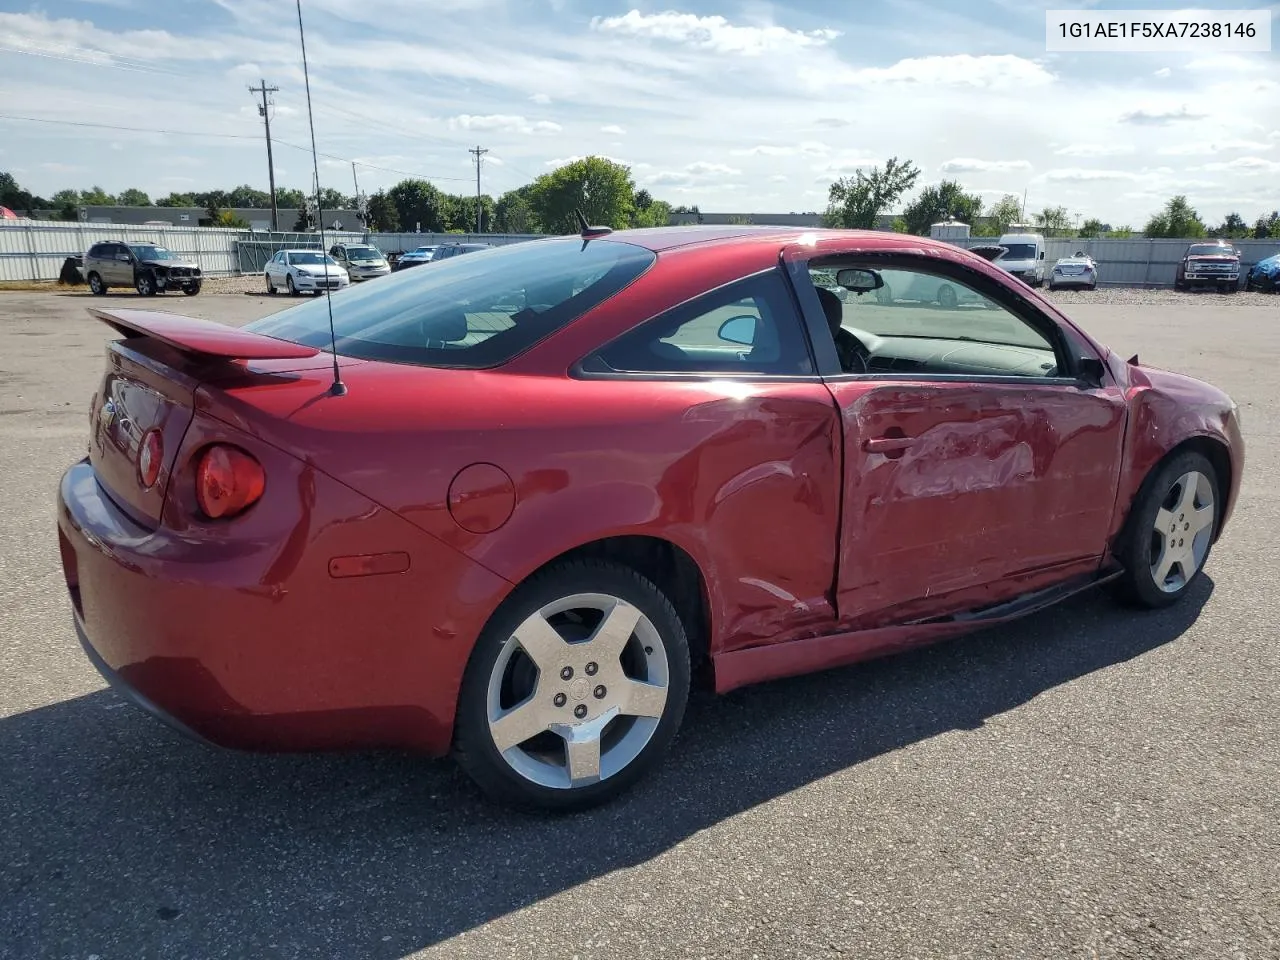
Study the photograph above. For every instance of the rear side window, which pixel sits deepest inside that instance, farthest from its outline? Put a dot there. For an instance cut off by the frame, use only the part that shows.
(475, 311)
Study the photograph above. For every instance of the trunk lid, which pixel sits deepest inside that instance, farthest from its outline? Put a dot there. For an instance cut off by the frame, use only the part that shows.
(149, 386)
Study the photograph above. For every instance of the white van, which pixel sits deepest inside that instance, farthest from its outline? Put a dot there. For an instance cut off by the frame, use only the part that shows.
(1024, 257)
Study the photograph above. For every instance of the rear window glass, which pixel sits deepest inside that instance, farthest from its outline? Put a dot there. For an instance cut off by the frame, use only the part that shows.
(474, 311)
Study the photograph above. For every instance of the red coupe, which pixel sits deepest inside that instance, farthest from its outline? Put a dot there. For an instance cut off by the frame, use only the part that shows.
(509, 506)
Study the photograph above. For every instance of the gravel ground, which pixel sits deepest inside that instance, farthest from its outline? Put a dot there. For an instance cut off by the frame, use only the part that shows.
(1088, 783)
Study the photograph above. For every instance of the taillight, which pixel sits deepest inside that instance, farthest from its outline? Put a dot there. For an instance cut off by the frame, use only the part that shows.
(228, 481)
(150, 456)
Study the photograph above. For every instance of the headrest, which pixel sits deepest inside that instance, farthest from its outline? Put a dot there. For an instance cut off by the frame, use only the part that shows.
(447, 325)
(832, 307)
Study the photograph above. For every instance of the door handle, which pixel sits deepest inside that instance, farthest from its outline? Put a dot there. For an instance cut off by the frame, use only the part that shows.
(889, 446)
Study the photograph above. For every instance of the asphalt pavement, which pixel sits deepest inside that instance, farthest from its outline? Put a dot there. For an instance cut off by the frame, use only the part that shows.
(1090, 782)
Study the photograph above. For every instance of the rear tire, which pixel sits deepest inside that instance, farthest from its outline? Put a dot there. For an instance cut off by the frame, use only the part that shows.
(96, 286)
(1171, 525)
(586, 653)
(192, 289)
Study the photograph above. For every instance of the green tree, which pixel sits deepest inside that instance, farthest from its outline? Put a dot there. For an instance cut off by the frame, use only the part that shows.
(227, 218)
(513, 214)
(67, 204)
(1054, 221)
(290, 199)
(17, 199)
(382, 213)
(601, 189)
(96, 197)
(1178, 219)
(1092, 227)
(177, 200)
(1006, 210)
(900, 225)
(331, 199)
(1121, 233)
(946, 201)
(657, 214)
(1232, 227)
(419, 205)
(856, 202)
(460, 213)
(1267, 226)
(247, 196)
(682, 209)
(133, 197)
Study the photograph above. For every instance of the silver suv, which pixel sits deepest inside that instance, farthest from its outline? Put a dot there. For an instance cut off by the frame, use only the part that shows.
(148, 268)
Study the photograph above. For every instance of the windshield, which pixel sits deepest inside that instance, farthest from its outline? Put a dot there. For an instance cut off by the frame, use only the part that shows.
(1019, 251)
(306, 256)
(1210, 250)
(467, 312)
(149, 251)
(363, 253)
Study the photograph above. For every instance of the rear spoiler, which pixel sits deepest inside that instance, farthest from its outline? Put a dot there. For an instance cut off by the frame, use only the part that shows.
(201, 337)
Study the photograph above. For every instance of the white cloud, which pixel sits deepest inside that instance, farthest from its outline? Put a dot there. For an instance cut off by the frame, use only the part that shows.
(713, 33)
(779, 178)
(970, 165)
(1085, 175)
(1204, 147)
(1003, 71)
(1245, 165)
(574, 159)
(614, 129)
(700, 172)
(1162, 72)
(765, 150)
(1095, 150)
(1158, 117)
(503, 123)
(541, 98)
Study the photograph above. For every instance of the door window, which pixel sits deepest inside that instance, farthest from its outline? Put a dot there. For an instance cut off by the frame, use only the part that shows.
(745, 327)
(922, 322)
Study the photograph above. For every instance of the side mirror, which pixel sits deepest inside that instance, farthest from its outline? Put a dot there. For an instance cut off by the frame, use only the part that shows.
(1092, 371)
(740, 330)
(858, 280)
(1041, 254)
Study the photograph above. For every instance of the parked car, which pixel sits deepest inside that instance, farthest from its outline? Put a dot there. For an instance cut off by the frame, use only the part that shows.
(1264, 276)
(304, 271)
(447, 250)
(1078, 270)
(1023, 257)
(361, 260)
(415, 257)
(147, 267)
(1210, 264)
(535, 493)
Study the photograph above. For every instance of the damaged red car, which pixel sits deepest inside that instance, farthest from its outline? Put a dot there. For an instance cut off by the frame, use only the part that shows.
(512, 506)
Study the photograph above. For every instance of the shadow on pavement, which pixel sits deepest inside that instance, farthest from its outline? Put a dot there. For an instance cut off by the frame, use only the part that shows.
(121, 839)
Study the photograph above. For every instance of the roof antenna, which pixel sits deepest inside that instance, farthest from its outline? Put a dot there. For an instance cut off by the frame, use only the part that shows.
(338, 388)
(587, 230)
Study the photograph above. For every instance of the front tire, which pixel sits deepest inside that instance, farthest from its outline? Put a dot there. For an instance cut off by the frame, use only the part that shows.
(293, 291)
(192, 289)
(1169, 533)
(574, 690)
(145, 285)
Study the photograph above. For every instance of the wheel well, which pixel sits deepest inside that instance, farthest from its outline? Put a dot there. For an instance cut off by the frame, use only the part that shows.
(670, 569)
(1212, 450)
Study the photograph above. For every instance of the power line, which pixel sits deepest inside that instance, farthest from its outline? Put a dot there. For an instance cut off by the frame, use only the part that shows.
(263, 89)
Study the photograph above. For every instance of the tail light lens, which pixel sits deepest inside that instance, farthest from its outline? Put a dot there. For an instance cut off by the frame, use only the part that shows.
(228, 481)
(150, 456)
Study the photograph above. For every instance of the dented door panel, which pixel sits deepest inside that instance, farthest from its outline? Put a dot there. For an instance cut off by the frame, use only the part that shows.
(956, 485)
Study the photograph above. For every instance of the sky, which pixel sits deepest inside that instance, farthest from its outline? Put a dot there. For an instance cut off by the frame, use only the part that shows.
(733, 105)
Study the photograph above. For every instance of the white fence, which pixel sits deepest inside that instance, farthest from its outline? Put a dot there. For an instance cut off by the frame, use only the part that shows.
(1137, 263)
(36, 249)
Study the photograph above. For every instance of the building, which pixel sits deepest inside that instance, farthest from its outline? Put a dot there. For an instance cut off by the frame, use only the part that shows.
(257, 218)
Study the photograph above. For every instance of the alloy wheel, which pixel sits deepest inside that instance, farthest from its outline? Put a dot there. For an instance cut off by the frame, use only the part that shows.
(1183, 531)
(577, 691)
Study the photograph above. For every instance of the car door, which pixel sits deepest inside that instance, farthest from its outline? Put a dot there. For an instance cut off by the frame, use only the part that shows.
(749, 438)
(980, 463)
(114, 271)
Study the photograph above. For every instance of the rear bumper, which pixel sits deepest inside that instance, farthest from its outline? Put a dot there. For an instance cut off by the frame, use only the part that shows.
(251, 644)
(1073, 280)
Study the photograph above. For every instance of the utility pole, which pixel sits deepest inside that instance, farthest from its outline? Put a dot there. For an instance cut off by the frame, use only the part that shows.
(263, 89)
(479, 152)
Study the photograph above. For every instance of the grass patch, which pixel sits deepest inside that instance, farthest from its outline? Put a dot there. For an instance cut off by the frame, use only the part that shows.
(41, 286)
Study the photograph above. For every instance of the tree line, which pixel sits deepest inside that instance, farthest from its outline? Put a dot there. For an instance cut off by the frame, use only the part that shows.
(607, 194)
(860, 200)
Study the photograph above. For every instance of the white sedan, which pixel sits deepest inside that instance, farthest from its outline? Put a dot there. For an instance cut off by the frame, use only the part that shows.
(304, 271)
(1077, 271)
